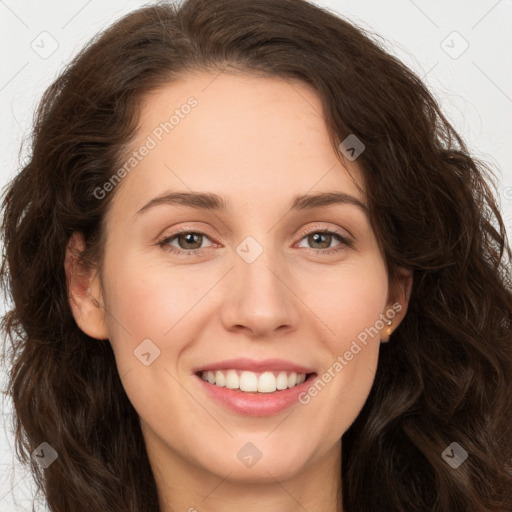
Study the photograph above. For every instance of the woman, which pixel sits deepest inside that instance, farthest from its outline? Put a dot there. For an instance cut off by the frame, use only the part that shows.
(180, 342)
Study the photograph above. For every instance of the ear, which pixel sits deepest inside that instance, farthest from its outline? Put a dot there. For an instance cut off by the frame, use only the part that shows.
(84, 291)
(398, 302)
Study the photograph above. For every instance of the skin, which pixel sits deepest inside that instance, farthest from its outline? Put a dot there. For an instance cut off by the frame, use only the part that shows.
(258, 142)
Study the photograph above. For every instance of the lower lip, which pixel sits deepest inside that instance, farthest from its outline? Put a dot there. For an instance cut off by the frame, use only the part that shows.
(256, 404)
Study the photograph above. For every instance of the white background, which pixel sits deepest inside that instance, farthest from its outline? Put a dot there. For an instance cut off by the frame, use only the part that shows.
(474, 90)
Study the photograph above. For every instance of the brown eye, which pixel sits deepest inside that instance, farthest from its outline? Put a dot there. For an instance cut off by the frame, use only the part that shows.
(323, 239)
(184, 242)
(189, 240)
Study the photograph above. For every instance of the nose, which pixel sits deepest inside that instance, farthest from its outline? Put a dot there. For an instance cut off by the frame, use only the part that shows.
(259, 297)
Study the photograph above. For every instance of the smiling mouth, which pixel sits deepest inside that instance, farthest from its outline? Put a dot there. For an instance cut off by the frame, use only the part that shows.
(254, 382)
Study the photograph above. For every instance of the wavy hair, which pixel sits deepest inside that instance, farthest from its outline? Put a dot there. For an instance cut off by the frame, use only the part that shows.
(445, 377)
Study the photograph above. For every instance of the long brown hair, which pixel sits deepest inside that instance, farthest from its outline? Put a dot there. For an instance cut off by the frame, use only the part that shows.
(446, 375)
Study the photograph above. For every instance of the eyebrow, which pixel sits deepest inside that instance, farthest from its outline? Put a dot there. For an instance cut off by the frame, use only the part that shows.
(216, 203)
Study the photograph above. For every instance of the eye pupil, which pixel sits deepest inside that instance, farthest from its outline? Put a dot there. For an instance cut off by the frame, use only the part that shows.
(315, 237)
(188, 240)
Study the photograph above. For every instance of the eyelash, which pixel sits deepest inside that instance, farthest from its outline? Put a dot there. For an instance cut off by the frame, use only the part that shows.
(346, 243)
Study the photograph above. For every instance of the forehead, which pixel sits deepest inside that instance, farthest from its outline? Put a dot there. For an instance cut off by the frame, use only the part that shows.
(251, 137)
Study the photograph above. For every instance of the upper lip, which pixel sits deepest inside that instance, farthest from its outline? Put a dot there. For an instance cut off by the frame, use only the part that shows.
(255, 366)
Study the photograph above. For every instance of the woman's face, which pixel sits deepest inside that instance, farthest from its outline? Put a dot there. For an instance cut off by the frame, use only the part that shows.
(258, 279)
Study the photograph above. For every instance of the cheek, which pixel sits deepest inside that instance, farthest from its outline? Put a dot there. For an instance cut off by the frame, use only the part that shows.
(148, 300)
(349, 309)
(350, 300)
(350, 306)
(147, 307)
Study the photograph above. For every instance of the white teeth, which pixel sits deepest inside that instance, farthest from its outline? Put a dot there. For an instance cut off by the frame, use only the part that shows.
(266, 383)
(232, 381)
(282, 381)
(248, 382)
(219, 379)
(251, 382)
